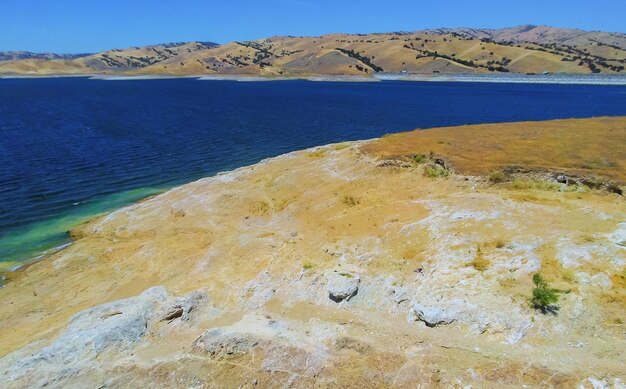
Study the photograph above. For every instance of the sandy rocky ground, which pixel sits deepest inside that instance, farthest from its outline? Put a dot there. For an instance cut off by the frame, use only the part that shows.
(327, 268)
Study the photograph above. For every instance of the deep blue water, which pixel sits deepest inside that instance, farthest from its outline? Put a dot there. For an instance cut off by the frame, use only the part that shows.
(72, 147)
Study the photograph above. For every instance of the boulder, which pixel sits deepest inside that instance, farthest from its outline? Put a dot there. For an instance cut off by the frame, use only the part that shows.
(342, 286)
(433, 316)
(562, 179)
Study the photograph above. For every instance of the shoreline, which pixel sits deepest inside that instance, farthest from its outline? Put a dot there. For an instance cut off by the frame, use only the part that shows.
(15, 266)
(18, 265)
(509, 78)
(51, 235)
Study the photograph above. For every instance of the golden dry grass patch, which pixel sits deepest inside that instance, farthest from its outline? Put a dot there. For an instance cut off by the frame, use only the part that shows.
(593, 147)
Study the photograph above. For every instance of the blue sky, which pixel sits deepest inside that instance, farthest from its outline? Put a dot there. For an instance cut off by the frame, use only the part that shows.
(71, 26)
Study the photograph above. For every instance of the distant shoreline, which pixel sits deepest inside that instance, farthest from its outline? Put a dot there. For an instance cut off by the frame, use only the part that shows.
(571, 79)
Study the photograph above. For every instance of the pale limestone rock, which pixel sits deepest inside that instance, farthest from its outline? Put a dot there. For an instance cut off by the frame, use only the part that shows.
(119, 324)
(184, 307)
(342, 285)
(433, 316)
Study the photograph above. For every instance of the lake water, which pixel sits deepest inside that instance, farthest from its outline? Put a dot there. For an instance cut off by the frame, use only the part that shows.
(71, 148)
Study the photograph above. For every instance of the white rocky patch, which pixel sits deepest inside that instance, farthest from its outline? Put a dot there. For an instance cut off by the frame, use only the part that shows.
(342, 285)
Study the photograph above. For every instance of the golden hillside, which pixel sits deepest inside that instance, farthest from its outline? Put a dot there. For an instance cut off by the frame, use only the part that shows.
(524, 49)
(581, 147)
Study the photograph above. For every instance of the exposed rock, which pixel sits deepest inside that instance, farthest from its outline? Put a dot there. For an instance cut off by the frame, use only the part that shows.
(218, 342)
(614, 188)
(433, 316)
(440, 162)
(183, 307)
(173, 313)
(118, 324)
(342, 286)
(562, 179)
(268, 345)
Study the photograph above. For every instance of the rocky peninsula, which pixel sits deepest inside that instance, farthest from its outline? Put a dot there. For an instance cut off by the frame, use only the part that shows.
(393, 262)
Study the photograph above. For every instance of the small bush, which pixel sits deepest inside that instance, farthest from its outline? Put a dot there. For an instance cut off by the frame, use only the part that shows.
(436, 171)
(568, 276)
(544, 297)
(307, 266)
(497, 176)
(419, 158)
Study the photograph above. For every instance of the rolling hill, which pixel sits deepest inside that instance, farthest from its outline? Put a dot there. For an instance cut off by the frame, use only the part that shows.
(522, 49)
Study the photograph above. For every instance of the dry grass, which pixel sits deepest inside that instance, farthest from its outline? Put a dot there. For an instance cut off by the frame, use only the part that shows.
(350, 201)
(480, 263)
(316, 153)
(585, 147)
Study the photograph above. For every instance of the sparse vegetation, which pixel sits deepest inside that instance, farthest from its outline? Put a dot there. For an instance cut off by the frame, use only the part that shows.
(599, 163)
(480, 263)
(419, 158)
(341, 146)
(308, 266)
(534, 184)
(350, 201)
(601, 146)
(365, 60)
(497, 176)
(436, 171)
(316, 154)
(544, 297)
(261, 207)
(568, 276)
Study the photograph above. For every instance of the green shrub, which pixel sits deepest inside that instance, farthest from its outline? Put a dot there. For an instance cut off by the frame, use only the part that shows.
(419, 158)
(436, 172)
(544, 297)
(307, 266)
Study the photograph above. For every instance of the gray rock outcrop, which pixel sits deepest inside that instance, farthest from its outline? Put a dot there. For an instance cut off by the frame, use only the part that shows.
(118, 324)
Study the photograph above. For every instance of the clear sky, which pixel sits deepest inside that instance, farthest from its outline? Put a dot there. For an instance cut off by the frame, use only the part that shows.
(72, 26)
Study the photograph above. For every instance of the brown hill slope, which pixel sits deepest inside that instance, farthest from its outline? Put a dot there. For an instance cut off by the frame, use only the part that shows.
(524, 49)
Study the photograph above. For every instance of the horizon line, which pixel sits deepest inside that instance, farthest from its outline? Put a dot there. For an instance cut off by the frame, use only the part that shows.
(85, 53)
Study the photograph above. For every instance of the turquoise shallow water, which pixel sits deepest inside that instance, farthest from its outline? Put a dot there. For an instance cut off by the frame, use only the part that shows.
(31, 241)
(72, 148)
